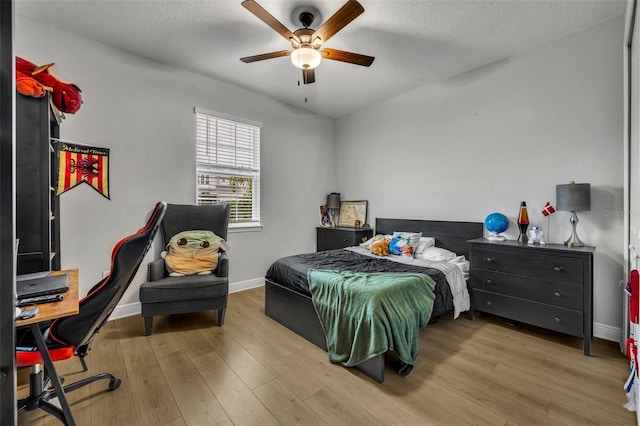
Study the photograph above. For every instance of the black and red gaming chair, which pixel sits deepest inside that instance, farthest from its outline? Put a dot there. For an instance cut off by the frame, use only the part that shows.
(69, 336)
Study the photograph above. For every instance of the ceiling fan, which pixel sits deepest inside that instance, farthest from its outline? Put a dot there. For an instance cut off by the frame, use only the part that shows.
(306, 41)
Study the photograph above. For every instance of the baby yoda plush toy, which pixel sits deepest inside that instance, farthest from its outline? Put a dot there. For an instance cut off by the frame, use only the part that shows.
(193, 252)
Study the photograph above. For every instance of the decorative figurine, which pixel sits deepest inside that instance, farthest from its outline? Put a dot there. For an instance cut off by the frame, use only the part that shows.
(536, 236)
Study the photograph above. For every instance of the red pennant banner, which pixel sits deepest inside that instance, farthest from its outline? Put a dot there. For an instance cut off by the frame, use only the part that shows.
(80, 163)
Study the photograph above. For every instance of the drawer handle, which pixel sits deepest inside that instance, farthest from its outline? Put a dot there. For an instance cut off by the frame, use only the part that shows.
(488, 302)
(489, 282)
(557, 268)
(557, 294)
(556, 319)
(489, 260)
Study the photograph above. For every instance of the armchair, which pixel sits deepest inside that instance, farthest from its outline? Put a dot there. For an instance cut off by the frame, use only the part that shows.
(166, 295)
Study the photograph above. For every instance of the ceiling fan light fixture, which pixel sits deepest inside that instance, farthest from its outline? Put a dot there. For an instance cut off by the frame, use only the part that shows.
(305, 57)
(306, 41)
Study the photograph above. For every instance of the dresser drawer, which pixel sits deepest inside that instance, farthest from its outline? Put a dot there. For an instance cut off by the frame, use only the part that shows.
(555, 318)
(541, 266)
(333, 238)
(551, 292)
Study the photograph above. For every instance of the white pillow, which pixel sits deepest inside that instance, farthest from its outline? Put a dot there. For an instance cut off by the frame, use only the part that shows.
(424, 243)
(436, 254)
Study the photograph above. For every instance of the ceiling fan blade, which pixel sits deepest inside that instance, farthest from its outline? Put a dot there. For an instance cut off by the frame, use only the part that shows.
(347, 13)
(248, 59)
(308, 76)
(268, 19)
(342, 56)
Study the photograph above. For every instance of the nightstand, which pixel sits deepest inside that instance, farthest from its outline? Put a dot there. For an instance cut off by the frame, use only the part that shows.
(549, 286)
(336, 238)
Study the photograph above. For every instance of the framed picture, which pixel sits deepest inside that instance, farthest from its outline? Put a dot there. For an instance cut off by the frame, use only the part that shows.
(353, 213)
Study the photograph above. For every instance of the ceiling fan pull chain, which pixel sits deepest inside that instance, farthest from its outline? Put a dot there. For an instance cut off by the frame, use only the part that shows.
(306, 92)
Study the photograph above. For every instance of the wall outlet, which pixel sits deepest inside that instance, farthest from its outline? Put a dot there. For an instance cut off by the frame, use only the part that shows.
(105, 274)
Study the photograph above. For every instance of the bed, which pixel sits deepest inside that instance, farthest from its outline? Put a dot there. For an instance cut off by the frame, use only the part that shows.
(289, 302)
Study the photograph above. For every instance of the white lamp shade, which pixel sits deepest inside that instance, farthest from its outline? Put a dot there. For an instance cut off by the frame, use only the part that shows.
(305, 57)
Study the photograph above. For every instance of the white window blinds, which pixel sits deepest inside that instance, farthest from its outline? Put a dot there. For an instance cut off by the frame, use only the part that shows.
(228, 166)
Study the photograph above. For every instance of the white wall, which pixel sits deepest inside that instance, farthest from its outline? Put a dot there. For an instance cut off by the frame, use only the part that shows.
(143, 111)
(501, 134)
(459, 150)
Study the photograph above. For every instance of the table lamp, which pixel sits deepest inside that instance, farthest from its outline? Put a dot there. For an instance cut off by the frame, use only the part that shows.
(572, 198)
(333, 203)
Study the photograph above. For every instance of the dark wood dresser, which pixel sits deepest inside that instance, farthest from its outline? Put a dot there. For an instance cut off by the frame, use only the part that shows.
(549, 286)
(336, 238)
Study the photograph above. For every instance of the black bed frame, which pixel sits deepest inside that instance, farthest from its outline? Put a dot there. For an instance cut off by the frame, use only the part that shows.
(296, 311)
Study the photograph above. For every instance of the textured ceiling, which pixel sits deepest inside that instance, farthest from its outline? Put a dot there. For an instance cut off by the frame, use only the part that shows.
(414, 42)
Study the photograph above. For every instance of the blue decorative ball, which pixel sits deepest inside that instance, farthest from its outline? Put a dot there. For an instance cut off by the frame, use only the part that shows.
(496, 223)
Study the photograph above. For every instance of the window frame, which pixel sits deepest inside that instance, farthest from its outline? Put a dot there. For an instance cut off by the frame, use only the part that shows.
(253, 171)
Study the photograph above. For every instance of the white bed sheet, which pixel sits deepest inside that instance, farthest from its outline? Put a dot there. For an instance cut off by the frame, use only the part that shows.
(455, 273)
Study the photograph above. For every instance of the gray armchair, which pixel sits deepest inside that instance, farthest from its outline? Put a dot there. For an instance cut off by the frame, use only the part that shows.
(165, 295)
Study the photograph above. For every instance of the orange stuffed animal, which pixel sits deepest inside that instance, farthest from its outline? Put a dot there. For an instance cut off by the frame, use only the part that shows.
(28, 86)
(66, 96)
(380, 248)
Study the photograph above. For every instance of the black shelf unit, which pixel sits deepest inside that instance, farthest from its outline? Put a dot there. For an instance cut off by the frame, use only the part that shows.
(37, 207)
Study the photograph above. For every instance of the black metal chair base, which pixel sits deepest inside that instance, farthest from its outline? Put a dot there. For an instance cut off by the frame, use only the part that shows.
(39, 397)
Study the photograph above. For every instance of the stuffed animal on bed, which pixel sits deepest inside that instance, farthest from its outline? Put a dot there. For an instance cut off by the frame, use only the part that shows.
(193, 252)
(380, 248)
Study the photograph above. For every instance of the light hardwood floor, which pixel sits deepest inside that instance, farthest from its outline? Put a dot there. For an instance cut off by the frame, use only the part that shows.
(255, 371)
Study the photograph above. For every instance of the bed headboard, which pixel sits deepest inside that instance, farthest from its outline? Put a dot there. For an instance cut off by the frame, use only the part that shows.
(450, 235)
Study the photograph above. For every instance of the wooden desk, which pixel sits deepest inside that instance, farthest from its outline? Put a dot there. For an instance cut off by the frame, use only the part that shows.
(49, 311)
(66, 307)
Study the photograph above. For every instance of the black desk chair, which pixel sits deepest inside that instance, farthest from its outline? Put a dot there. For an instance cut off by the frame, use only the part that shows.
(166, 295)
(69, 336)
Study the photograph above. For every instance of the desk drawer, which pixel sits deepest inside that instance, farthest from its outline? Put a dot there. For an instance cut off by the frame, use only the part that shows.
(545, 267)
(551, 292)
(555, 318)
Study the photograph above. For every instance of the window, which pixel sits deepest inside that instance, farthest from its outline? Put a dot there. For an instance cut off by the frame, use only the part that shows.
(228, 166)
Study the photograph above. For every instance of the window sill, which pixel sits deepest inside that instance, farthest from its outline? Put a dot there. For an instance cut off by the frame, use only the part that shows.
(249, 228)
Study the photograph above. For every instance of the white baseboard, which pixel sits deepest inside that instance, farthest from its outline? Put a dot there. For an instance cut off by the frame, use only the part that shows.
(131, 309)
(601, 331)
(607, 332)
(128, 310)
(246, 285)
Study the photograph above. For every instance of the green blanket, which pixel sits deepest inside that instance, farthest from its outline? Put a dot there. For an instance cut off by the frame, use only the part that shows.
(367, 314)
